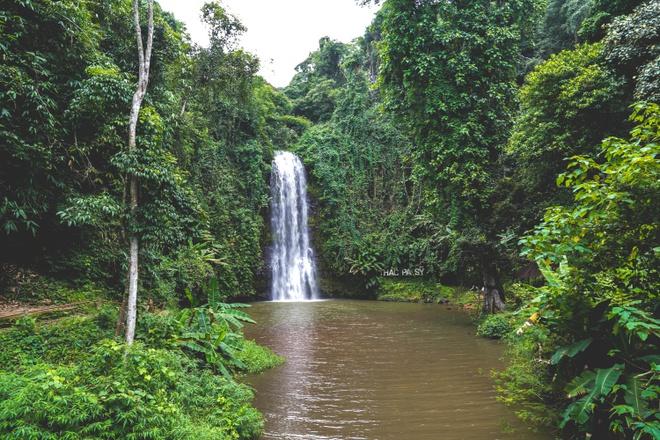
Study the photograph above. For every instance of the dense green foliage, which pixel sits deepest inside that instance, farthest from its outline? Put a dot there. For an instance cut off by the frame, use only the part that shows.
(436, 143)
(496, 326)
(70, 379)
(567, 104)
(632, 49)
(568, 22)
(493, 98)
(205, 137)
(456, 95)
(142, 393)
(561, 25)
(412, 290)
(356, 162)
(591, 350)
(599, 258)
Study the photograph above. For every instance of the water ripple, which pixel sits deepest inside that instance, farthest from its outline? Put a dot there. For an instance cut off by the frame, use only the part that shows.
(367, 370)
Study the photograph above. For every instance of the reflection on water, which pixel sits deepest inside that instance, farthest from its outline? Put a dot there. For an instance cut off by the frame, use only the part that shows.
(372, 370)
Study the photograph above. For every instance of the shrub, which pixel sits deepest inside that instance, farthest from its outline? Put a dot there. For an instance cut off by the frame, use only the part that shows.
(29, 342)
(107, 316)
(47, 402)
(188, 269)
(406, 290)
(526, 384)
(159, 330)
(496, 326)
(53, 385)
(125, 392)
(257, 358)
(599, 257)
(518, 294)
(27, 286)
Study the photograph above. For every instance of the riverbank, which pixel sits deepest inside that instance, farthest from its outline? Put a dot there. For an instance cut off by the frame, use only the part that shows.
(494, 326)
(429, 292)
(414, 290)
(67, 375)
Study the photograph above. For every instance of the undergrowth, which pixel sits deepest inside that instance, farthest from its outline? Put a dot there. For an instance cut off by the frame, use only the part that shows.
(71, 378)
(411, 290)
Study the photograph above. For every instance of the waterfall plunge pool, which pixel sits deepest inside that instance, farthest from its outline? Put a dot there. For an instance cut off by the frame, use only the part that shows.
(377, 371)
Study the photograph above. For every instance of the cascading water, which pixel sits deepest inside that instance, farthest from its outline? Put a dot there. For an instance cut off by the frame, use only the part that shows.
(293, 267)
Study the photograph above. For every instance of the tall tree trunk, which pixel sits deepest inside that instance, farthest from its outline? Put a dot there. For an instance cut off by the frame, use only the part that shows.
(144, 61)
(493, 292)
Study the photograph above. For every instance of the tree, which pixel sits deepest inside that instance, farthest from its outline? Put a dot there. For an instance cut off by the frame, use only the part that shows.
(602, 12)
(43, 57)
(204, 136)
(355, 160)
(600, 260)
(144, 62)
(632, 48)
(567, 103)
(313, 88)
(561, 24)
(449, 72)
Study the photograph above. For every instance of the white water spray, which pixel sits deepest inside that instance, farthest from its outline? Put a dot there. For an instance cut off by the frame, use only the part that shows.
(293, 266)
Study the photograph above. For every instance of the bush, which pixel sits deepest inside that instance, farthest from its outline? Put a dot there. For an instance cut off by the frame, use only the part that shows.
(519, 294)
(413, 291)
(526, 384)
(496, 326)
(29, 342)
(125, 392)
(47, 402)
(107, 317)
(599, 257)
(188, 269)
(257, 358)
(27, 286)
(66, 379)
(159, 330)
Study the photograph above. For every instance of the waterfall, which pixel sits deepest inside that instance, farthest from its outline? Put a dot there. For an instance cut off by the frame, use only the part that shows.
(293, 267)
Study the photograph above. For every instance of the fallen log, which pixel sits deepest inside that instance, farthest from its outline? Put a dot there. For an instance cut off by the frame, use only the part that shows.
(40, 310)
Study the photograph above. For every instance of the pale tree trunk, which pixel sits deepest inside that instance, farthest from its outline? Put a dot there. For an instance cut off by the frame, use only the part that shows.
(144, 60)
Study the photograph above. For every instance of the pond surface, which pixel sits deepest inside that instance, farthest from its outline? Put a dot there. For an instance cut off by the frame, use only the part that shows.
(376, 370)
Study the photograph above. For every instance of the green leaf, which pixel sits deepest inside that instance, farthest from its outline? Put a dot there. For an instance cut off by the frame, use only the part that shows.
(579, 411)
(570, 350)
(213, 293)
(195, 347)
(549, 275)
(651, 359)
(581, 384)
(633, 395)
(189, 296)
(225, 372)
(606, 378)
(653, 429)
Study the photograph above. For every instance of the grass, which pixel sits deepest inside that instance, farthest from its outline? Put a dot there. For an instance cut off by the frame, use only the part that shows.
(422, 291)
(258, 358)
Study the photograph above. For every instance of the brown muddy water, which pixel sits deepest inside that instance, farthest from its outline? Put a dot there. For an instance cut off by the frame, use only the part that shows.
(376, 370)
